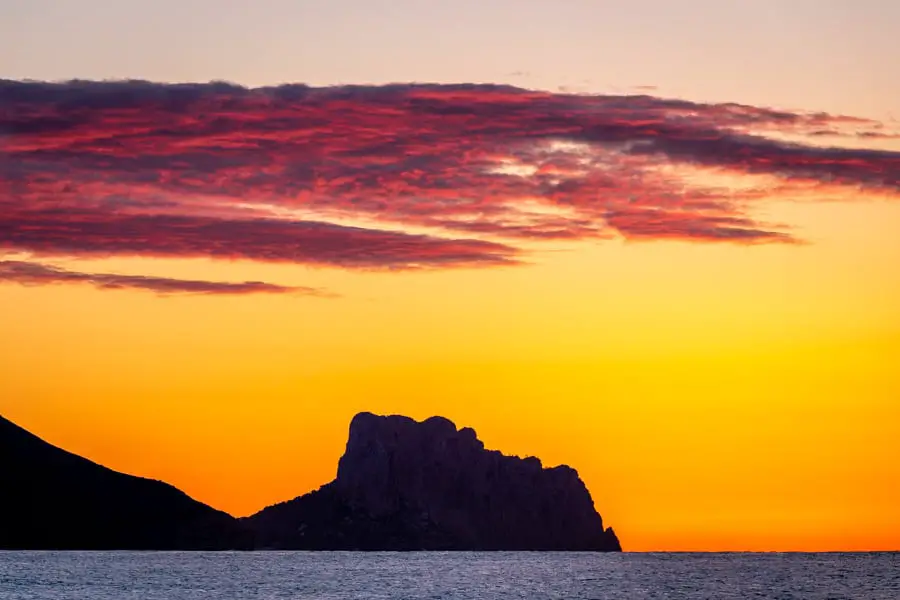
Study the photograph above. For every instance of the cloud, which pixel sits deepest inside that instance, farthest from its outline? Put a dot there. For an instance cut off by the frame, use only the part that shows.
(660, 224)
(402, 176)
(64, 233)
(32, 273)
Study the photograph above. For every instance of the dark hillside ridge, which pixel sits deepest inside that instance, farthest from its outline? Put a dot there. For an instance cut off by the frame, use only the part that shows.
(51, 499)
(408, 485)
(401, 485)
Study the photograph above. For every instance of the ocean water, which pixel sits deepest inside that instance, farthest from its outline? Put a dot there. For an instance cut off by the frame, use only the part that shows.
(434, 576)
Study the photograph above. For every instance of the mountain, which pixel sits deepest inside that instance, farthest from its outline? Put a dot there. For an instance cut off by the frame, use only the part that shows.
(52, 499)
(408, 485)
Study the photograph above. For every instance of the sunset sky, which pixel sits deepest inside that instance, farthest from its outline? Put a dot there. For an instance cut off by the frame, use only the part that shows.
(657, 241)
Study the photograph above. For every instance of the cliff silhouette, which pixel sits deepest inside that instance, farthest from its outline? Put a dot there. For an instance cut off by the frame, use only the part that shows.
(51, 499)
(401, 485)
(408, 485)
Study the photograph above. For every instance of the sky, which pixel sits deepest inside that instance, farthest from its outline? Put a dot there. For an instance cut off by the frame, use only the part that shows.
(654, 241)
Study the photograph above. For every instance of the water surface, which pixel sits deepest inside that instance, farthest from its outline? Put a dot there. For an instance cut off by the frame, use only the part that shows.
(446, 576)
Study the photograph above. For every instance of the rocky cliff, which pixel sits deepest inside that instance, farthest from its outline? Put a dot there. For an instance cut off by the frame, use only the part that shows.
(408, 485)
(51, 499)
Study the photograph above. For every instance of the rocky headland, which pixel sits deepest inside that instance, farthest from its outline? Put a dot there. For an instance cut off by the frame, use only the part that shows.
(408, 485)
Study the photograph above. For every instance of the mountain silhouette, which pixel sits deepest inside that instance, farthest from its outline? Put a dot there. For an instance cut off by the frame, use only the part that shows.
(52, 499)
(401, 485)
(408, 485)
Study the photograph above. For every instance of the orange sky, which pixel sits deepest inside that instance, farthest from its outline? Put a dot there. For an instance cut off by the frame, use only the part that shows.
(748, 402)
(713, 396)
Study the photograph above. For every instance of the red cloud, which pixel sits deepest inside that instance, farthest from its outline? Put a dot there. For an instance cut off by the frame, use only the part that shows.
(87, 234)
(31, 273)
(138, 168)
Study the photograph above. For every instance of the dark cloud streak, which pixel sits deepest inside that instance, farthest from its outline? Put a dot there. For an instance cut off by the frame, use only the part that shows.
(266, 240)
(32, 273)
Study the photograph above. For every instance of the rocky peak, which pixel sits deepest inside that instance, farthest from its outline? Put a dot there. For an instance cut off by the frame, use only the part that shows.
(443, 475)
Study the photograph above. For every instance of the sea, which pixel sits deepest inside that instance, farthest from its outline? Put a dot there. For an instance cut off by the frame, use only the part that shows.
(446, 576)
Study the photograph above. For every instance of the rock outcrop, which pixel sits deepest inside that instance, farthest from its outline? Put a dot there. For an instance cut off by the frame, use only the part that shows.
(407, 485)
(54, 500)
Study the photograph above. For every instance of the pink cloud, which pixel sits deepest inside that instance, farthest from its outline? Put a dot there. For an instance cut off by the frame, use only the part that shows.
(275, 174)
